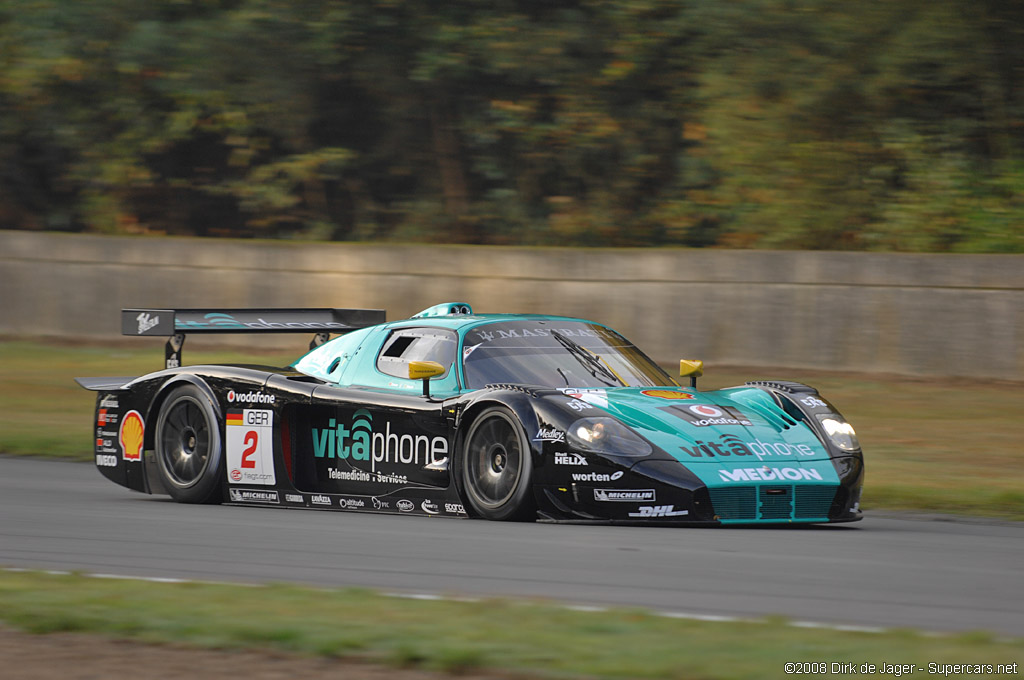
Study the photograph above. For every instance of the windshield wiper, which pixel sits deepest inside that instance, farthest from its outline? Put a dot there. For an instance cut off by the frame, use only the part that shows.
(589, 360)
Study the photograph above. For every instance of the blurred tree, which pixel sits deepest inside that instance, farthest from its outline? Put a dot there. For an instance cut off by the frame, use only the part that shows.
(754, 123)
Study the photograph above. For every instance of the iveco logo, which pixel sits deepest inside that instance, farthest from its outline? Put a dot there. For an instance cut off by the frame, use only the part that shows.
(406, 506)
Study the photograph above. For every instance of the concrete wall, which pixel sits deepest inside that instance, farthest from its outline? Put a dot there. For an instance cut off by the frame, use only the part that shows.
(954, 315)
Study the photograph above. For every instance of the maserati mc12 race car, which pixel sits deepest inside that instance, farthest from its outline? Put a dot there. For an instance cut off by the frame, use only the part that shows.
(453, 413)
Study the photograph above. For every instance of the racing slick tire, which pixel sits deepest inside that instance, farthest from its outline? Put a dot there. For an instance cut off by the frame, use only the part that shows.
(496, 467)
(189, 455)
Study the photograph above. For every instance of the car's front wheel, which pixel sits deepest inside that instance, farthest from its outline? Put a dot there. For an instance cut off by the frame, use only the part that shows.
(188, 447)
(496, 467)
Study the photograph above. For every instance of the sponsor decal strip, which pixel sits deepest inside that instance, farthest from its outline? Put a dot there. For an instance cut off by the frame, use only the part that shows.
(359, 442)
(734, 446)
(624, 495)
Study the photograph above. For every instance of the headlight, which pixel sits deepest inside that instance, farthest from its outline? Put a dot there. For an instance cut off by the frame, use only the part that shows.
(839, 431)
(606, 435)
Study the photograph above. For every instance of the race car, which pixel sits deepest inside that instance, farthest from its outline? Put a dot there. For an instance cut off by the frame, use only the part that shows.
(454, 413)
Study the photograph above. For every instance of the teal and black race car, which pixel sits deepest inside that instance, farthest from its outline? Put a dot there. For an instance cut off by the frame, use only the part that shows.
(453, 413)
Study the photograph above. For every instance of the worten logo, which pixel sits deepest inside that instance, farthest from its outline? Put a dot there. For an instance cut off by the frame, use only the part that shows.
(360, 442)
(597, 476)
(734, 446)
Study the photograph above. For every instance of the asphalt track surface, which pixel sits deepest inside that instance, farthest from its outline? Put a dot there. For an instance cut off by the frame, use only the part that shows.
(881, 572)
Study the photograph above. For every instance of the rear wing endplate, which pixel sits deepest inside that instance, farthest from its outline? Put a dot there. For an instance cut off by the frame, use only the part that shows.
(175, 323)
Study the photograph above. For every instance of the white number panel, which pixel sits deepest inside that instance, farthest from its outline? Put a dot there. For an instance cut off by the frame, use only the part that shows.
(250, 446)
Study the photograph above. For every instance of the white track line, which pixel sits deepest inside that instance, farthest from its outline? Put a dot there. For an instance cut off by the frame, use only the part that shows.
(689, 616)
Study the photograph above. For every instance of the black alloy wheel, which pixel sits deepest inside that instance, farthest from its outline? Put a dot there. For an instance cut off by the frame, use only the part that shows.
(188, 447)
(497, 467)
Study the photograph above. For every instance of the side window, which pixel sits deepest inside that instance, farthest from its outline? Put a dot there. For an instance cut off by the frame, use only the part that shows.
(416, 344)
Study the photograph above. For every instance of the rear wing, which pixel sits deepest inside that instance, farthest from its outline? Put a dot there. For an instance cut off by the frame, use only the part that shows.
(175, 323)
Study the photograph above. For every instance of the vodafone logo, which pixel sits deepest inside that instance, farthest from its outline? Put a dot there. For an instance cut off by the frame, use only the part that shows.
(706, 411)
(250, 397)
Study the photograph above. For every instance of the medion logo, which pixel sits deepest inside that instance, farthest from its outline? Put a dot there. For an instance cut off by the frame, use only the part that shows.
(767, 474)
(360, 442)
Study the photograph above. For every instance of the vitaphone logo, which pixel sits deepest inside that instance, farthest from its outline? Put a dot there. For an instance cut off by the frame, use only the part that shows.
(226, 322)
(733, 446)
(360, 442)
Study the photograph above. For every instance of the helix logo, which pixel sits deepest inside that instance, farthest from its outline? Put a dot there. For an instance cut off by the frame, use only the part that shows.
(359, 442)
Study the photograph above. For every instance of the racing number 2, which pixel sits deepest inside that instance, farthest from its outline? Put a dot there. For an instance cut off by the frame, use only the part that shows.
(251, 442)
(250, 450)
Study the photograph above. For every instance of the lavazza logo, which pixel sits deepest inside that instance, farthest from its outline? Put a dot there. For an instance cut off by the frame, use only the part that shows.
(250, 397)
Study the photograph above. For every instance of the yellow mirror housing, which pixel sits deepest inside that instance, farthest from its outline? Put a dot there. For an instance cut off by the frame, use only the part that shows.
(691, 368)
(425, 370)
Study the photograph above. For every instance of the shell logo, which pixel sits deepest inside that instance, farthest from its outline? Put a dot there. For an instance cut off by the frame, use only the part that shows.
(667, 394)
(131, 435)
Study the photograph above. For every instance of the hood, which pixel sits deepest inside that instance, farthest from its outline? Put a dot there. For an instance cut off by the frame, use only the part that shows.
(724, 436)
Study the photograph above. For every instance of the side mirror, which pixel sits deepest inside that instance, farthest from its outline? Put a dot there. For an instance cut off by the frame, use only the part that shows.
(692, 369)
(425, 370)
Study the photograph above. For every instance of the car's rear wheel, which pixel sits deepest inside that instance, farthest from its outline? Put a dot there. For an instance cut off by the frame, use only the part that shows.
(188, 447)
(496, 467)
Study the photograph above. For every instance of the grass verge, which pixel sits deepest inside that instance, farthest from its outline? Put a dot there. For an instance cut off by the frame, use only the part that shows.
(526, 638)
(935, 446)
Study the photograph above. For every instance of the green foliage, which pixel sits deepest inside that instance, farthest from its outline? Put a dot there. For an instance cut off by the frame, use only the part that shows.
(499, 638)
(754, 123)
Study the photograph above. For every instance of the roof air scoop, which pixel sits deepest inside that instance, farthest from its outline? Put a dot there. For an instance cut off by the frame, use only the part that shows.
(445, 309)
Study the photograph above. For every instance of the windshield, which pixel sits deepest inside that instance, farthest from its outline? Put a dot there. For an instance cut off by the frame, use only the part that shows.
(556, 354)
